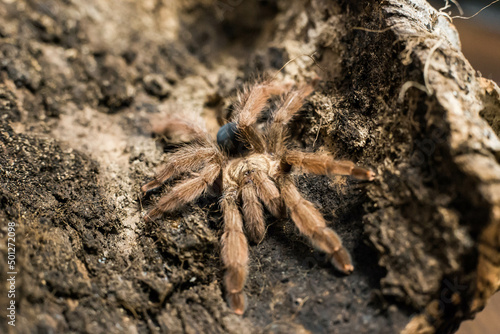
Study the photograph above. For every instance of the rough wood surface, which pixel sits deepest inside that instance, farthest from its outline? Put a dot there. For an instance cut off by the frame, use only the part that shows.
(80, 84)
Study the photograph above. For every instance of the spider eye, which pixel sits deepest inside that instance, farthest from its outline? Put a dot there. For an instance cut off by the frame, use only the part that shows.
(227, 139)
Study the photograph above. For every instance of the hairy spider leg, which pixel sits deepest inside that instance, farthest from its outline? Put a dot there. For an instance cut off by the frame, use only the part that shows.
(253, 211)
(189, 158)
(311, 223)
(251, 103)
(256, 186)
(268, 193)
(186, 191)
(277, 130)
(190, 130)
(234, 252)
(324, 164)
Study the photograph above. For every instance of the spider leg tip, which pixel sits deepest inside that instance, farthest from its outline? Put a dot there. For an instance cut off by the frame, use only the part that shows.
(341, 260)
(348, 269)
(361, 173)
(239, 311)
(237, 302)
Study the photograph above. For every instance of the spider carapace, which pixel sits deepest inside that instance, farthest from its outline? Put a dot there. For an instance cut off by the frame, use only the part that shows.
(255, 168)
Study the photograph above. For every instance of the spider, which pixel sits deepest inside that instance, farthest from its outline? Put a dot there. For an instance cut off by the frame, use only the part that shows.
(253, 168)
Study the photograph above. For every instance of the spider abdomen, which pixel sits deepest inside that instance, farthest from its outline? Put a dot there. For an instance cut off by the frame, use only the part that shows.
(229, 141)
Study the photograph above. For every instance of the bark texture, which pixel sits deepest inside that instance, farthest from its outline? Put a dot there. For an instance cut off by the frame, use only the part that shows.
(80, 84)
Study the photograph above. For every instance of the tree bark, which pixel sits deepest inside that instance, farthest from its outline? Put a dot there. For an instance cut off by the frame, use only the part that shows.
(81, 83)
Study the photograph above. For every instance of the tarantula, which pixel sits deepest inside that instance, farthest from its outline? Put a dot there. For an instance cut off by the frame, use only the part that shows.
(254, 168)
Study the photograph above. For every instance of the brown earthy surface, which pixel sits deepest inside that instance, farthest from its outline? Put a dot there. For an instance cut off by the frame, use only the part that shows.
(80, 81)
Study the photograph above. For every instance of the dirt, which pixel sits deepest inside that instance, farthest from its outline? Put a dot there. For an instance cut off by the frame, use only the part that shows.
(81, 82)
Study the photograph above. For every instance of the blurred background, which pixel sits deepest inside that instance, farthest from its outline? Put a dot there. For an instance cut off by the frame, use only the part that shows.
(480, 37)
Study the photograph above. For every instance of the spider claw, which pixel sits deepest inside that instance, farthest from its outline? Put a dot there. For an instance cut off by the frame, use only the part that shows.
(237, 302)
(341, 260)
(255, 235)
(149, 187)
(370, 176)
(348, 268)
(363, 174)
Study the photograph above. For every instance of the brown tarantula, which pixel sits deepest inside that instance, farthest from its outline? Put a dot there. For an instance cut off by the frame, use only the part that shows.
(253, 167)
